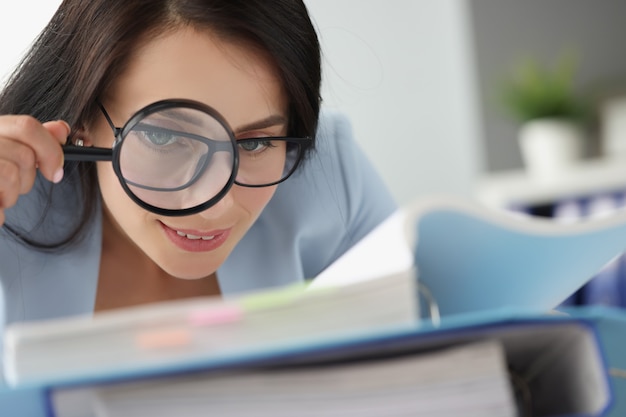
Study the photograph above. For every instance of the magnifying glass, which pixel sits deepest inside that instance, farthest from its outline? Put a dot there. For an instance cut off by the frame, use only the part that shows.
(172, 157)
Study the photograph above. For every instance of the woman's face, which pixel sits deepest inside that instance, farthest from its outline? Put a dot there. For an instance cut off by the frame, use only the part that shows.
(241, 84)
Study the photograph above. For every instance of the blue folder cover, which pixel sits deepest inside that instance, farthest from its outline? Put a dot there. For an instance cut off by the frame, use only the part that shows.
(610, 325)
(29, 402)
(474, 258)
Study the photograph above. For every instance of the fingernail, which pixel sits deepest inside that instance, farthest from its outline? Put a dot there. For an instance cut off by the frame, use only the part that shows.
(58, 176)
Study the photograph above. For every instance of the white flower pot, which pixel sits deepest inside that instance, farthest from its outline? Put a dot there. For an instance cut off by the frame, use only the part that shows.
(551, 147)
(613, 124)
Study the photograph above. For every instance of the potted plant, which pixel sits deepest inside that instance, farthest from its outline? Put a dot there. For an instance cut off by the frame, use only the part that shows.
(551, 116)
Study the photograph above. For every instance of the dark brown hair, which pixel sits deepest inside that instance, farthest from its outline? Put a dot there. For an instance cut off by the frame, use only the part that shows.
(87, 44)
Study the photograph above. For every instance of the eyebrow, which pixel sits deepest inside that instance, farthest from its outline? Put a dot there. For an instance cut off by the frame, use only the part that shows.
(270, 121)
(180, 114)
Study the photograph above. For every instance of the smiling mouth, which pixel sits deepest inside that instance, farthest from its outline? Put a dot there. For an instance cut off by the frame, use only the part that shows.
(194, 237)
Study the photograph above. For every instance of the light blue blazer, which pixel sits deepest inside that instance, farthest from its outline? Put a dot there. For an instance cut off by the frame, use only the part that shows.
(331, 202)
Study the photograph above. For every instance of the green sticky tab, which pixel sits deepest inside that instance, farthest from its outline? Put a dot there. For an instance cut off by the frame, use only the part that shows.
(274, 298)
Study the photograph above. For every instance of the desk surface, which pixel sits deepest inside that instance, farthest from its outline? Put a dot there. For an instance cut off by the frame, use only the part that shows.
(518, 188)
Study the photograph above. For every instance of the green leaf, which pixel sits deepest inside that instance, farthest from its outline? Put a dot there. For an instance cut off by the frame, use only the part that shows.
(535, 91)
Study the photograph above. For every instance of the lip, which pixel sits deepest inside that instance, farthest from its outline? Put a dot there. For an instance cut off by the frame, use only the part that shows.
(196, 245)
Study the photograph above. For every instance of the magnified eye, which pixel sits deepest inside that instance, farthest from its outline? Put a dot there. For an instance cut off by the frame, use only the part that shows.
(159, 138)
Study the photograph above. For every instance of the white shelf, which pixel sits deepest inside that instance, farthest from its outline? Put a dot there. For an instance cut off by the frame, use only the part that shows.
(590, 177)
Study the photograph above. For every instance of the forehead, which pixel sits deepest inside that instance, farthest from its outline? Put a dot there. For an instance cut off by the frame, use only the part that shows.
(238, 80)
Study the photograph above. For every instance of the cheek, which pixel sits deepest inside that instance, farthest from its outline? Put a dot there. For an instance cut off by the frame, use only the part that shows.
(253, 200)
(107, 179)
(113, 195)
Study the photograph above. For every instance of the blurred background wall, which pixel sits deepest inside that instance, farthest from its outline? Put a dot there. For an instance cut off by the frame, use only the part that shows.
(20, 22)
(420, 78)
(403, 71)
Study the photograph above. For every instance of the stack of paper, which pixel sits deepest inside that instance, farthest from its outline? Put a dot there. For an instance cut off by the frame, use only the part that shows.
(185, 332)
(467, 380)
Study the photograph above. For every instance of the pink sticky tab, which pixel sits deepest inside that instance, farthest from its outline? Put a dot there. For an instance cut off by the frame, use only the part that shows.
(213, 316)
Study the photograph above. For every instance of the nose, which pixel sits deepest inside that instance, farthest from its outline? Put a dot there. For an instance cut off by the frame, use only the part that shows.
(220, 170)
(211, 182)
(220, 208)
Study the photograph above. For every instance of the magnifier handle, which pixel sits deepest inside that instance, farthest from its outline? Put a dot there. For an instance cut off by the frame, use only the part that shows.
(79, 153)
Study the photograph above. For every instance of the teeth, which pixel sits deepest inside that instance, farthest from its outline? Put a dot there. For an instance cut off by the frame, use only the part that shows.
(194, 237)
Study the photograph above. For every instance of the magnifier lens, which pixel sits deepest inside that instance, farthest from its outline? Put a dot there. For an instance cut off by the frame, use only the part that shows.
(177, 158)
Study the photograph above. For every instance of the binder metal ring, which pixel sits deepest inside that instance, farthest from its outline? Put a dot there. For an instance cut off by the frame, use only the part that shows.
(433, 307)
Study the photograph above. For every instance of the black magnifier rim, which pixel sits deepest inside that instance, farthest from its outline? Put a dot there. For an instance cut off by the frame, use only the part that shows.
(157, 107)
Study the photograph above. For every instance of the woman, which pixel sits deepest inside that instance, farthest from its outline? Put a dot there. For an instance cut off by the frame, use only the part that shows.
(145, 222)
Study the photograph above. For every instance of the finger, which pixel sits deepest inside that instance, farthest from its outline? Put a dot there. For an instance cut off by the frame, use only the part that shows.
(2, 218)
(24, 157)
(29, 131)
(9, 183)
(59, 129)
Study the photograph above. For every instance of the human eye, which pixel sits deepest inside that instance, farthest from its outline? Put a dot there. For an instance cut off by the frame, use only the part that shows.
(255, 145)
